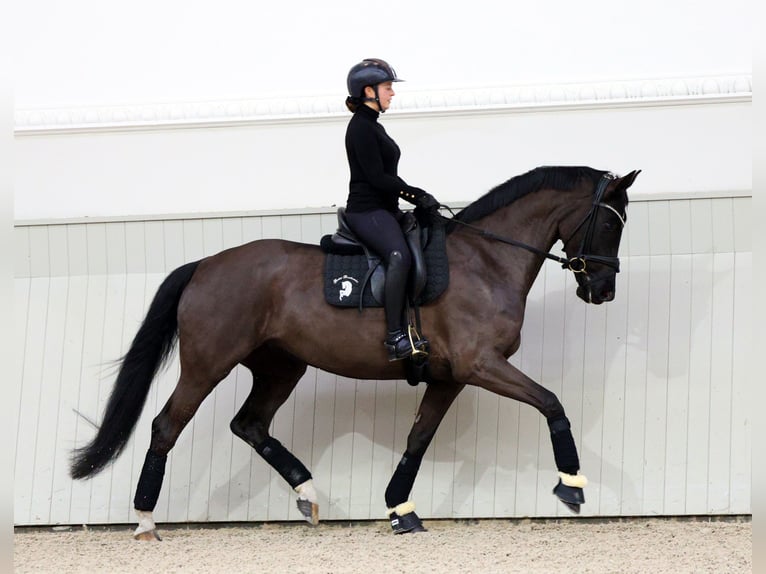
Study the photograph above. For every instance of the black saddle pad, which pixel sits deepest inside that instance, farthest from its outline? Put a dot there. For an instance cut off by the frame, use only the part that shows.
(344, 275)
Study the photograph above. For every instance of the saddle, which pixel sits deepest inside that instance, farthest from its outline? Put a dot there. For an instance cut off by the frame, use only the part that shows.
(355, 277)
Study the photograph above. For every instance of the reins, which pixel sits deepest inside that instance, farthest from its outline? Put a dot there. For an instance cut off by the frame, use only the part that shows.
(565, 263)
(576, 264)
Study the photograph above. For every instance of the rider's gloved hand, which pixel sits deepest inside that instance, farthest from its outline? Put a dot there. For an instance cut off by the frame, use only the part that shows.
(428, 203)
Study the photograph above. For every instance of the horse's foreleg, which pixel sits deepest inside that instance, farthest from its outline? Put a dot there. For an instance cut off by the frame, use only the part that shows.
(271, 387)
(499, 376)
(436, 401)
(166, 427)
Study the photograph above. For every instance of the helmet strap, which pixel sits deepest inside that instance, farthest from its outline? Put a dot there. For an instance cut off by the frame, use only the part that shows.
(376, 99)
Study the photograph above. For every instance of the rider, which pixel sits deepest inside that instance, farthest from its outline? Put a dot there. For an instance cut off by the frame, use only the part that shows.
(372, 208)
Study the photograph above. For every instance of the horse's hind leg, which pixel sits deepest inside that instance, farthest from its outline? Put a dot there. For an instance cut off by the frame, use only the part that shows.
(275, 375)
(436, 401)
(166, 428)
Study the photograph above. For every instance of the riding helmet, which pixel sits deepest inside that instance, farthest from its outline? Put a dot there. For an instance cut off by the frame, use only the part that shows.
(369, 72)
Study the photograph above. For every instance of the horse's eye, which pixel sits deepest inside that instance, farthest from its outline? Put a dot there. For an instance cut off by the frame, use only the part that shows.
(609, 226)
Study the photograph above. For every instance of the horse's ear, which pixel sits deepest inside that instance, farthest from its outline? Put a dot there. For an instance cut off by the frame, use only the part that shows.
(626, 181)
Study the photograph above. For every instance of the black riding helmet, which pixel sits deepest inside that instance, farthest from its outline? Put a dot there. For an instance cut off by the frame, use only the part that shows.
(369, 72)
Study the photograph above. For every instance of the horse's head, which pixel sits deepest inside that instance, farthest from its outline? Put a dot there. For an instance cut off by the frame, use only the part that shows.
(592, 238)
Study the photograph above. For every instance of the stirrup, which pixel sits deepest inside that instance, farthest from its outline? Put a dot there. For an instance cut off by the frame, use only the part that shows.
(419, 344)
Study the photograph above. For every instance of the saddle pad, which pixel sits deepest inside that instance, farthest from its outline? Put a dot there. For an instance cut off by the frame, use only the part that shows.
(344, 275)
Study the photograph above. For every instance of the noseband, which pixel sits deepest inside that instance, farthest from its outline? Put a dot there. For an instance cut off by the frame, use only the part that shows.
(578, 263)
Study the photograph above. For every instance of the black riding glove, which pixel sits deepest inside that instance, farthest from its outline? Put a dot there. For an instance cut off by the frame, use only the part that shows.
(427, 209)
(428, 203)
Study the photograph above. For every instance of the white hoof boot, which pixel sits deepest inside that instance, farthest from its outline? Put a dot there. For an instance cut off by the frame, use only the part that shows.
(146, 529)
(307, 502)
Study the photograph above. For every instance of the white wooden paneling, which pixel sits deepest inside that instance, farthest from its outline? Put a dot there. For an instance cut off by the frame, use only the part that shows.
(68, 382)
(654, 383)
(48, 399)
(679, 345)
(697, 456)
(364, 420)
(656, 412)
(29, 407)
(614, 408)
(21, 307)
(742, 371)
(719, 468)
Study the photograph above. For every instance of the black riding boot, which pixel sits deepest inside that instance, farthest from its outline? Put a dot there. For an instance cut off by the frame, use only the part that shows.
(397, 343)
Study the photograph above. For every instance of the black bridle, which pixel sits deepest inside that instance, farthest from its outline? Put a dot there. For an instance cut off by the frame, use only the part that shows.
(583, 255)
(578, 263)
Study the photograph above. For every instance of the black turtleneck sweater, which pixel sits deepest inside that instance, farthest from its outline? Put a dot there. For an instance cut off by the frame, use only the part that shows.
(373, 158)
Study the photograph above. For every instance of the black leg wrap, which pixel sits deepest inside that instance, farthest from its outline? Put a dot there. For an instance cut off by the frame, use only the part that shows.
(400, 486)
(564, 449)
(150, 481)
(283, 461)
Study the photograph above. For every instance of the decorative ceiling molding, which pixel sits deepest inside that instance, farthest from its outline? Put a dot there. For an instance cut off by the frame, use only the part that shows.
(509, 99)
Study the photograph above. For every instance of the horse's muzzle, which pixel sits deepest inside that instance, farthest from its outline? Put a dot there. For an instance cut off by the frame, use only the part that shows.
(597, 290)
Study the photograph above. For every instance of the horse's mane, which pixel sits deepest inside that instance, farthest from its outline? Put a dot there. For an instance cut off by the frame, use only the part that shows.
(563, 178)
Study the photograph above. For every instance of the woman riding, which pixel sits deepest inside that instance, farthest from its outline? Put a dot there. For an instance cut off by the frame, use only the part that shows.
(372, 208)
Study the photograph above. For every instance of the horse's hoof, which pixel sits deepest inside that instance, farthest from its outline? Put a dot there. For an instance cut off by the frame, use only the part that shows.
(571, 496)
(408, 523)
(149, 535)
(309, 510)
(575, 508)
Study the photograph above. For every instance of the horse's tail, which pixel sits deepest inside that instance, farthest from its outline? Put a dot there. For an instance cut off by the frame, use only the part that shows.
(150, 349)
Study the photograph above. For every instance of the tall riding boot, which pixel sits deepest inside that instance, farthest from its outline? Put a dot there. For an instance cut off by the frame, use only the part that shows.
(397, 343)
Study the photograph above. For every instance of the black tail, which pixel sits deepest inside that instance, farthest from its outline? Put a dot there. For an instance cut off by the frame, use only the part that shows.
(150, 348)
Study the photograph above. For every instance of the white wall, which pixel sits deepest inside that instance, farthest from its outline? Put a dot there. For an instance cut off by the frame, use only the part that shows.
(86, 52)
(683, 147)
(98, 89)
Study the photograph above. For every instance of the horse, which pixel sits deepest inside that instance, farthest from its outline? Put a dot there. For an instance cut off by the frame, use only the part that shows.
(261, 305)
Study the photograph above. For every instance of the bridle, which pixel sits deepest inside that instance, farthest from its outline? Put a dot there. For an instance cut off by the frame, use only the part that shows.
(579, 262)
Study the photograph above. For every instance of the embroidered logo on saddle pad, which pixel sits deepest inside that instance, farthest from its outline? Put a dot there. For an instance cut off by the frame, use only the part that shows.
(347, 284)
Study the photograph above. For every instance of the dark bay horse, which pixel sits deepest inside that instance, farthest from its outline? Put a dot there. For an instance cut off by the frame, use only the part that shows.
(261, 305)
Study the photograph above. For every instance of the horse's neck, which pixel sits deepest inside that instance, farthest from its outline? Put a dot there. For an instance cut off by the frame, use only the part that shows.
(530, 220)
